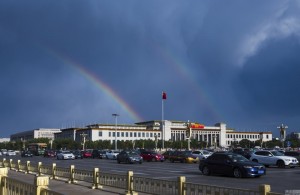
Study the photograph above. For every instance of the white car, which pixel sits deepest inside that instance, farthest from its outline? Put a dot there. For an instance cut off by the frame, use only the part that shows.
(62, 155)
(10, 153)
(273, 158)
(111, 154)
(201, 154)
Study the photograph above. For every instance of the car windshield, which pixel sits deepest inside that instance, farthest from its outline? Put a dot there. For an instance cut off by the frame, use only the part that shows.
(276, 153)
(188, 152)
(237, 158)
(132, 153)
(205, 152)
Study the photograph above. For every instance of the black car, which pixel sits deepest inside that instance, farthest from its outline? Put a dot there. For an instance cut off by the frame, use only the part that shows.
(243, 151)
(129, 156)
(98, 153)
(232, 164)
(77, 154)
(26, 154)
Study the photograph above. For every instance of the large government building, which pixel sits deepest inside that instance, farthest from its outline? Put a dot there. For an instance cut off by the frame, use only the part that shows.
(218, 135)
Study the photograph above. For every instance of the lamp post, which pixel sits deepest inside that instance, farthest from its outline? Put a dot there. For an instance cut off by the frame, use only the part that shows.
(83, 135)
(282, 129)
(116, 122)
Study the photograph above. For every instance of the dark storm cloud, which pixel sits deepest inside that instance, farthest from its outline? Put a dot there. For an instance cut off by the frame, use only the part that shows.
(222, 46)
(268, 82)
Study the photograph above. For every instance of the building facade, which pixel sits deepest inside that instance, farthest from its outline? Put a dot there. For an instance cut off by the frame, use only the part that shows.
(218, 135)
(34, 134)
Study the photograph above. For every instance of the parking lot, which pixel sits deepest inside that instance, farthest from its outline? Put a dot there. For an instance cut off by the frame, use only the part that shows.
(279, 179)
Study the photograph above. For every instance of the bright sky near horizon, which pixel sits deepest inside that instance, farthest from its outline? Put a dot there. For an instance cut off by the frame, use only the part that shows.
(73, 63)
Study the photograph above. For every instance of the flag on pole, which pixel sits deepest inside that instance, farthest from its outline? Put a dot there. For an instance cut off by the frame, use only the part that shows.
(164, 95)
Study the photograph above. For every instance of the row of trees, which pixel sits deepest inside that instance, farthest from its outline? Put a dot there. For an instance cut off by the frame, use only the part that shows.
(150, 144)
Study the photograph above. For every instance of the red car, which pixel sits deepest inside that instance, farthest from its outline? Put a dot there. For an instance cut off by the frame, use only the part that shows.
(49, 153)
(87, 154)
(152, 156)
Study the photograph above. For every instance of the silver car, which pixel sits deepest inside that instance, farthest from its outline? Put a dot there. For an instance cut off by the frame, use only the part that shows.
(64, 155)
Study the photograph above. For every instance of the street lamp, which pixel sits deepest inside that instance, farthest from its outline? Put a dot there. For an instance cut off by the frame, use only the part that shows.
(116, 122)
(282, 129)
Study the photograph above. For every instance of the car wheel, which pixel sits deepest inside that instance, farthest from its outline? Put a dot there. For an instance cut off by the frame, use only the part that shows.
(237, 173)
(205, 171)
(153, 160)
(119, 161)
(254, 160)
(280, 164)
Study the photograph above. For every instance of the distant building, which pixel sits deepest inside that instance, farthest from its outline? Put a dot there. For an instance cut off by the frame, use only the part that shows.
(293, 135)
(217, 135)
(4, 140)
(34, 134)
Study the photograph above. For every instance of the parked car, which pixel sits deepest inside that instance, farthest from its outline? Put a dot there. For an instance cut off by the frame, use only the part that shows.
(273, 158)
(243, 151)
(295, 154)
(87, 154)
(3, 151)
(49, 153)
(231, 164)
(98, 153)
(64, 155)
(26, 153)
(77, 154)
(201, 154)
(152, 156)
(183, 156)
(111, 154)
(129, 156)
(167, 154)
(10, 153)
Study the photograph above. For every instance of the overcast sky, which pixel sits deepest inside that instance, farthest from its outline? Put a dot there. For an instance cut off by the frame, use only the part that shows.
(74, 63)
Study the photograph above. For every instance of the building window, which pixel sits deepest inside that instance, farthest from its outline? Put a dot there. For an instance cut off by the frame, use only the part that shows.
(118, 134)
(100, 133)
(130, 134)
(114, 134)
(122, 134)
(126, 134)
(109, 134)
(134, 134)
(158, 135)
(143, 134)
(139, 134)
(267, 136)
(147, 134)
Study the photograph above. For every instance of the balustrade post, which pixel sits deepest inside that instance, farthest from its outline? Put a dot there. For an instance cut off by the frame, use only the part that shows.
(129, 190)
(39, 169)
(27, 167)
(18, 165)
(264, 189)
(41, 182)
(181, 181)
(53, 171)
(72, 174)
(3, 162)
(10, 163)
(96, 179)
(3, 173)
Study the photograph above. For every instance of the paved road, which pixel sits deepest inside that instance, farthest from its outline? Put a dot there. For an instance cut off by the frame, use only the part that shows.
(279, 179)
